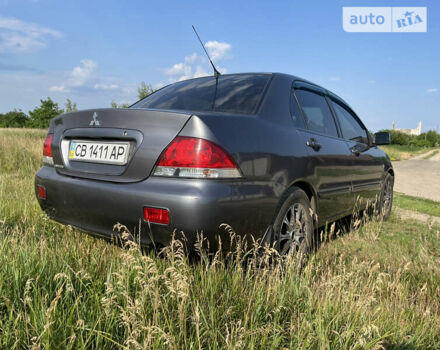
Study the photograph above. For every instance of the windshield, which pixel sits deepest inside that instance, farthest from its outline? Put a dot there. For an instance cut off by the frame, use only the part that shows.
(240, 93)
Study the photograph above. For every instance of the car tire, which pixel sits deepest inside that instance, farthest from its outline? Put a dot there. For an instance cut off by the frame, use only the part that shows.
(294, 235)
(386, 197)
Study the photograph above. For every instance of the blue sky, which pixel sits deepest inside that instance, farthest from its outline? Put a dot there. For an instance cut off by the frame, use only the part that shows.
(97, 51)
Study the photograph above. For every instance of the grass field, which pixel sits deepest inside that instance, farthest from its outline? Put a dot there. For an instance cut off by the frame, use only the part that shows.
(421, 205)
(400, 152)
(375, 288)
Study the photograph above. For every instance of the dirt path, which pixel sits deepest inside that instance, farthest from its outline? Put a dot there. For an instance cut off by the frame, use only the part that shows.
(419, 177)
(427, 154)
(410, 214)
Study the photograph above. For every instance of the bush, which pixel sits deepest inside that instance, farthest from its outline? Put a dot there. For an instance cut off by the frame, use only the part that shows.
(426, 139)
(13, 119)
(421, 143)
(399, 138)
(432, 137)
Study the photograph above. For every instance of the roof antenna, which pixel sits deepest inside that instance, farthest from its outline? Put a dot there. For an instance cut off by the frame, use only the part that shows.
(216, 72)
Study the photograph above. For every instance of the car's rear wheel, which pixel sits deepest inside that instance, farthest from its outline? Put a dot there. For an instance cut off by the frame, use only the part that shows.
(386, 197)
(293, 226)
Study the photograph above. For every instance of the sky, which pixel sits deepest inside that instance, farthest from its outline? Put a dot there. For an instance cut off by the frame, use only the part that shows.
(93, 52)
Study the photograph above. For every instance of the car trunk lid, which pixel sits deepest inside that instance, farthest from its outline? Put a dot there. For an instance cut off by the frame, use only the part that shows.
(146, 132)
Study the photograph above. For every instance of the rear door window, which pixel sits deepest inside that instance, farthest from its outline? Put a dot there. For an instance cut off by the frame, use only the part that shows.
(351, 129)
(317, 113)
(295, 112)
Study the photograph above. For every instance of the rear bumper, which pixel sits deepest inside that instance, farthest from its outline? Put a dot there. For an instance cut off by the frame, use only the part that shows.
(195, 206)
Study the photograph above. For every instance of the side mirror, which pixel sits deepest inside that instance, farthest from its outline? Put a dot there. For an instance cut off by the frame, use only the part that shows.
(382, 138)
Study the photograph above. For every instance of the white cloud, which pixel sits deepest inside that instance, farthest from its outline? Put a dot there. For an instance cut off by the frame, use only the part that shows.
(16, 42)
(196, 66)
(106, 86)
(59, 88)
(18, 36)
(191, 58)
(179, 69)
(85, 82)
(78, 77)
(217, 50)
(200, 72)
(432, 90)
(82, 73)
(25, 89)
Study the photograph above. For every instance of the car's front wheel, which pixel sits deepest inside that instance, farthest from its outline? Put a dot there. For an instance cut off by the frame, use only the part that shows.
(293, 225)
(386, 197)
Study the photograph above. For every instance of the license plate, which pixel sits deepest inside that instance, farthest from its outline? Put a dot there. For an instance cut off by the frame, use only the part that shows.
(99, 152)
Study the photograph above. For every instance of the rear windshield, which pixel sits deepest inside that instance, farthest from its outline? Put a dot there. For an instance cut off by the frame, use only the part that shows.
(239, 93)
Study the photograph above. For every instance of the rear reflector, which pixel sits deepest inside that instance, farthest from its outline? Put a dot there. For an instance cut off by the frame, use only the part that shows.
(157, 215)
(196, 158)
(47, 150)
(41, 192)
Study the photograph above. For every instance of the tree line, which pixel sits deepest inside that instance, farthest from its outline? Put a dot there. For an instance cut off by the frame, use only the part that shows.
(430, 138)
(41, 115)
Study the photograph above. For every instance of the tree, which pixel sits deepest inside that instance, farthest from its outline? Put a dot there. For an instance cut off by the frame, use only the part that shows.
(145, 90)
(122, 105)
(41, 116)
(70, 106)
(433, 138)
(13, 119)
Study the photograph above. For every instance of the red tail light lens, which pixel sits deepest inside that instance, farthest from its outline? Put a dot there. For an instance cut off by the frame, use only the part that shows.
(47, 150)
(195, 157)
(47, 147)
(195, 153)
(157, 215)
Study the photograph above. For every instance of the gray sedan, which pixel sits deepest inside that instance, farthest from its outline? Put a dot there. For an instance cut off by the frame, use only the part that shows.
(259, 152)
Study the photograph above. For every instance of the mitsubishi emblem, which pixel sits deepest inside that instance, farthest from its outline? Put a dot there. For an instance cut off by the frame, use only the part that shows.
(95, 121)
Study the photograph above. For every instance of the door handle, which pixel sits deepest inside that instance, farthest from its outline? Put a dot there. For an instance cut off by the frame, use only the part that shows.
(355, 151)
(313, 144)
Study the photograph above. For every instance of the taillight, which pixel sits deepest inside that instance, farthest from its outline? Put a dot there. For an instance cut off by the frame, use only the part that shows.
(196, 158)
(47, 150)
(157, 215)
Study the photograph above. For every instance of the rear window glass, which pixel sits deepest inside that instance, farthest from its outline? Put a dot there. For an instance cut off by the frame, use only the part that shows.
(239, 93)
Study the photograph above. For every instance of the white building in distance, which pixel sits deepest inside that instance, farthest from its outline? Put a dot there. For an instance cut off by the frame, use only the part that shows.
(417, 131)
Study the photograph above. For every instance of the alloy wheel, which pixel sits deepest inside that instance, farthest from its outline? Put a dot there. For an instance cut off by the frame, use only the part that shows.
(294, 228)
(387, 196)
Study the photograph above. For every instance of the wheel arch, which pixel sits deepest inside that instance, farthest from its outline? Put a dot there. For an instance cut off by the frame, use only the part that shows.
(306, 187)
(310, 192)
(391, 171)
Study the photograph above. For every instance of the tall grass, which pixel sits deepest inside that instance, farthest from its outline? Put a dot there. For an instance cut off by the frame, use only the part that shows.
(377, 287)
